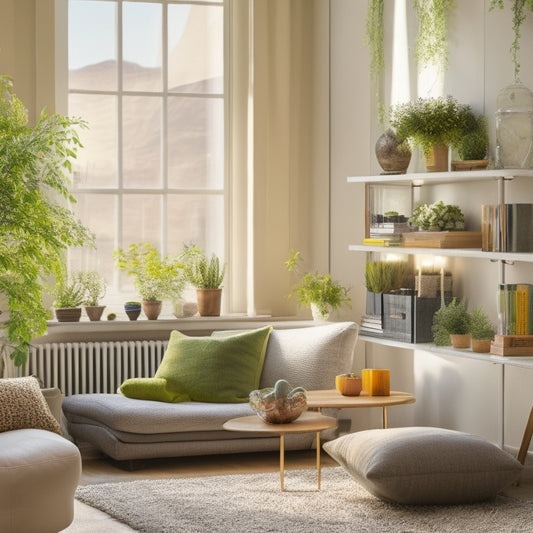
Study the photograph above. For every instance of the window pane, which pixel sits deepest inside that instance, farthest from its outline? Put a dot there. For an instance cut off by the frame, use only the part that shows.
(92, 45)
(141, 219)
(98, 212)
(96, 165)
(195, 49)
(142, 42)
(197, 219)
(195, 142)
(142, 141)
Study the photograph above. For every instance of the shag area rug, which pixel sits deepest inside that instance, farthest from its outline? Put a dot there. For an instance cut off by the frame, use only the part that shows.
(248, 503)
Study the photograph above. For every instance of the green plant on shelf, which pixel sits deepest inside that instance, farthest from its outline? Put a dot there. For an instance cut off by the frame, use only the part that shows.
(451, 319)
(481, 327)
(438, 217)
(384, 276)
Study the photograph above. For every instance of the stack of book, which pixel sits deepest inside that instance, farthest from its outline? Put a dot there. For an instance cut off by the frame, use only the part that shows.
(371, 325)
(387, 233)
(515, 309)
(507, 227)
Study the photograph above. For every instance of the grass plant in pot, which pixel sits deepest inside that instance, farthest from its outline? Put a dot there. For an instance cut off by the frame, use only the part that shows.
(206, 274)
(433, 124)
(318, 291)
(154, 278)
(69, 294)
(482, 330)
(36, 222)
(382, 277)
(451, 323)
(95, 289)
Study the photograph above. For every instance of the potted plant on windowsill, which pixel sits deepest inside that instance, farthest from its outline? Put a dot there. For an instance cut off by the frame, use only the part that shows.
(154, 278)
(482, 330)
(452, 320)
(318, 291)
(69, 294)
(206, 274)
(133, 309)
(433, 124)
(95, 289)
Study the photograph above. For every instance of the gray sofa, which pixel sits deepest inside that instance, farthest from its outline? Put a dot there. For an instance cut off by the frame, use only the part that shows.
(127, 429)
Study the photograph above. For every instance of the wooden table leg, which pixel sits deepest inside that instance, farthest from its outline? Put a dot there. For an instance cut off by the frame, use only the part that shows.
(384, 417)
(282, 460)
(318, 458)
(526, 439)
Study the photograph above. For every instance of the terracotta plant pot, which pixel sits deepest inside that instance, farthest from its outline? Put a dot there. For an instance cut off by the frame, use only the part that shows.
(437, 160)
(68, 314)
(461, 341)
(348, 385)
(152, 308)
(94, 312)
(481, 345)
(209, 301)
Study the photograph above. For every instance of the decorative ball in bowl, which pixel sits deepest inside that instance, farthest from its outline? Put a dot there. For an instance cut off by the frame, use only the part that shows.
(280, 404)
(349, 384)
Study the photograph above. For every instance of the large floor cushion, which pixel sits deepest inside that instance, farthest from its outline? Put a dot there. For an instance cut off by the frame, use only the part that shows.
(425, 465)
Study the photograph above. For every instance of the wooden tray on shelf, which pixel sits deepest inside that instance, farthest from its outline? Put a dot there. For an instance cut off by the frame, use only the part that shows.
(442, 239)
(512, 345)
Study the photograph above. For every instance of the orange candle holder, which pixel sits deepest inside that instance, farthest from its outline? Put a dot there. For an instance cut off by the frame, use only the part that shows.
(376, 381)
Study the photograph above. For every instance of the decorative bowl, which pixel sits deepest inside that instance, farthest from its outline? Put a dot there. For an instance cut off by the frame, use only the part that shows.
(278, 410)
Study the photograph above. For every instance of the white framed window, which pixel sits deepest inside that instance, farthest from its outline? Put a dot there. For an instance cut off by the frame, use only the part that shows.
(149, 78)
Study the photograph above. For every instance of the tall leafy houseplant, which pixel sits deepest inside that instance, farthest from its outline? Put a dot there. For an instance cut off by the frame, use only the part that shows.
(319, 291)
(36, 225)
(519, 15)
(154, 278)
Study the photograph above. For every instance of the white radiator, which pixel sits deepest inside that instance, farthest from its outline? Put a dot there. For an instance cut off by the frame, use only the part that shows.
(87, 367)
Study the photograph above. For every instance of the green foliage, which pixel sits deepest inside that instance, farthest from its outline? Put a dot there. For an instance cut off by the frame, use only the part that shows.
(203, 272)
(69, 291)
(481, 327)
(384, 276)
(474, 143)
(429, 122)
(318, 289)
(431, 41)
(374, 39)
(154, 278)
(452, 319)
(36, 224)
(519, 16)
(94, 285)
(438, 217)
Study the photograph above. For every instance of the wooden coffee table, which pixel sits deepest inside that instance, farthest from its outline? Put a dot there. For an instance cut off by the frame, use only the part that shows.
(333, 398)
(306, 423)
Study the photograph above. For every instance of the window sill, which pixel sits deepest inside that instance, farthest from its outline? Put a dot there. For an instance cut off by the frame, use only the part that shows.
(141, 329)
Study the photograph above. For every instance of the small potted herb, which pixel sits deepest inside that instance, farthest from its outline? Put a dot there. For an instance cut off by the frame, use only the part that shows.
(473, 146)
(452, 320)
(95, 289)
(133, 310)
(482, 330)
(318, 291)
(69, 294)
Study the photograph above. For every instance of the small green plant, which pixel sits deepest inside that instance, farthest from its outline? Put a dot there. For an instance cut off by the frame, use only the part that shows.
(481, 328)
(154, 278)
(95, 287)
(429, 122)
(438, 217)
(69, 291)
(384, 276)
(474, 144)
(133, 304)
(111, 316)
(519, 16)
(201, 271)
(451, 319)
(315, 288)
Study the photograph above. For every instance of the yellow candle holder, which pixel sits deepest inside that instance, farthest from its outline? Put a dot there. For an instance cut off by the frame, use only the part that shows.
(376, 381)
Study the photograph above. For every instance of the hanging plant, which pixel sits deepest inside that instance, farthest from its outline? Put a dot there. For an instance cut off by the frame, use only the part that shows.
(374, 39)
(519, 16)
(431, 41)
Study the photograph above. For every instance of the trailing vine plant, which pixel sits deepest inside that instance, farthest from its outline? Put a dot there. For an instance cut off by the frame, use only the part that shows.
(374, 39)
(519, 16)
(431, 40)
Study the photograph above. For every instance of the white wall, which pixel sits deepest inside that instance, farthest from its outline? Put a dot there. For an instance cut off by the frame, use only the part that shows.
(451, 392)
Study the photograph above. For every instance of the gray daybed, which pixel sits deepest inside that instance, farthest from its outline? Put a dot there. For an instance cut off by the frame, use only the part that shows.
(129, 429)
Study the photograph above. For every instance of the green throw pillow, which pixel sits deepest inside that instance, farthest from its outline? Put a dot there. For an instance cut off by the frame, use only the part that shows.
(149, 389)
(213, 369)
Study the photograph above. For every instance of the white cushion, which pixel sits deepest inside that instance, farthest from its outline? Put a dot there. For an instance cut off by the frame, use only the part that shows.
(425, 465)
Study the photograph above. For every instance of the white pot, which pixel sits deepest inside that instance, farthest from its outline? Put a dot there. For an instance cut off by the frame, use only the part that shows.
(318, 314)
